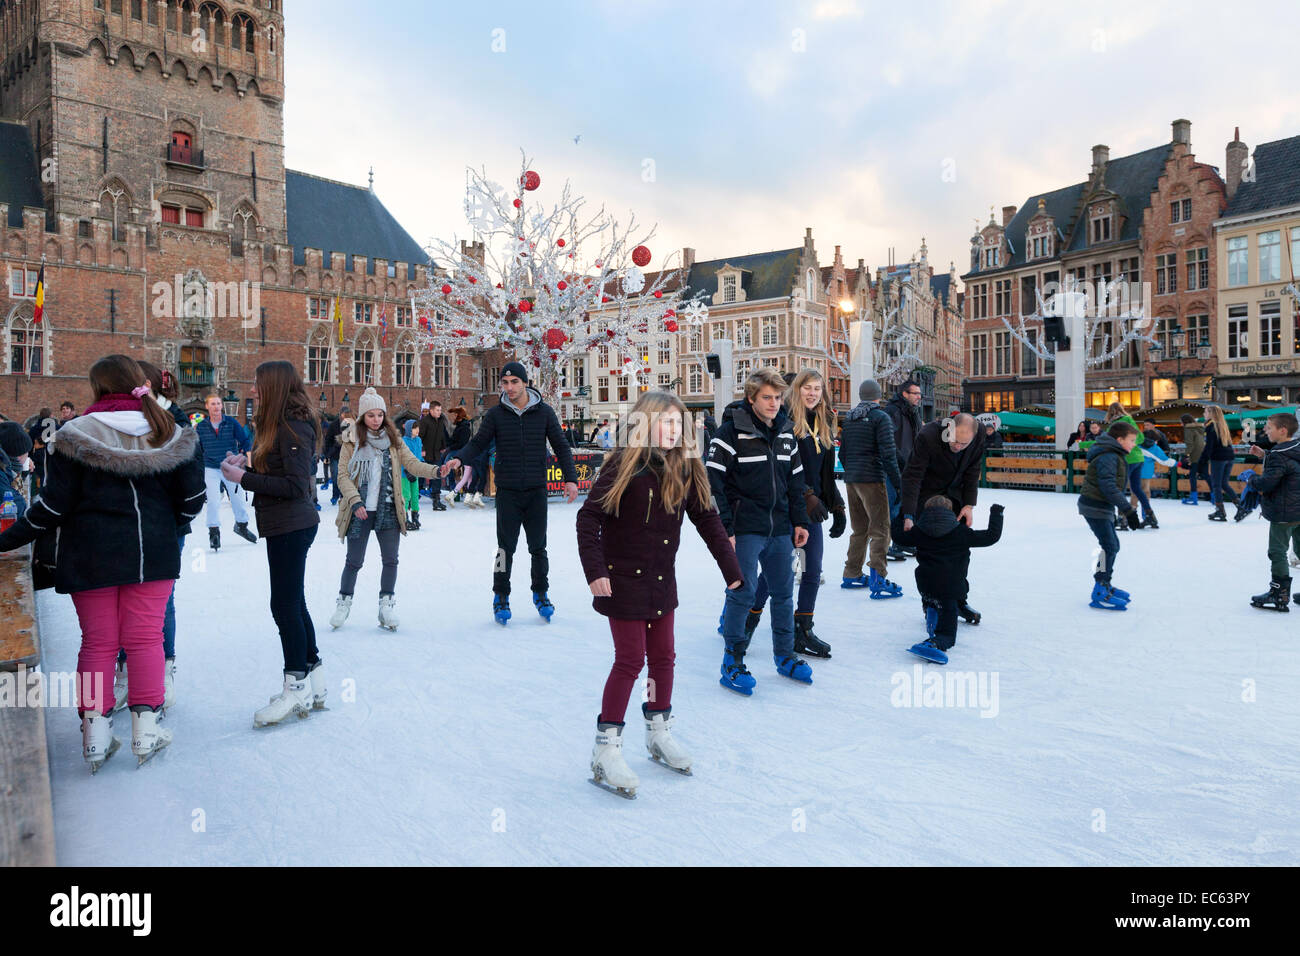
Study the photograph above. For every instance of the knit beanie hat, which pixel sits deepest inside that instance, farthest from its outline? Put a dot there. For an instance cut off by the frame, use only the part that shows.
(516, 369)
(369, 401)
(13, 440)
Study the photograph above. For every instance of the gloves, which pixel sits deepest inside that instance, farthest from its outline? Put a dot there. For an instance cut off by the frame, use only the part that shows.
(816, 510)
(838, 523)
(1134, 522)
(996, 509)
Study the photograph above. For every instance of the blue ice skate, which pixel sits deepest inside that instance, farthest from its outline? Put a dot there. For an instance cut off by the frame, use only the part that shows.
(859, 582)
(882, 587)
(543, 604)
(501, 608)
(734, 674)
(1105, 597)
(793, 668)
(928, 650)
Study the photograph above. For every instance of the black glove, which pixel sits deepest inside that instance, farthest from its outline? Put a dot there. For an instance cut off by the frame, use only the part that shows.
(837, 523)
(1134, 522)
(816, 510)
(996, 509)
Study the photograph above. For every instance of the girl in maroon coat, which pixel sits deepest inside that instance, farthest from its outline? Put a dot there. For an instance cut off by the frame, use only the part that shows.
(628, 533)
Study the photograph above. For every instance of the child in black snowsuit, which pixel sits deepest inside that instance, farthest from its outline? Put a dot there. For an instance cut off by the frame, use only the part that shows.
(943, 546)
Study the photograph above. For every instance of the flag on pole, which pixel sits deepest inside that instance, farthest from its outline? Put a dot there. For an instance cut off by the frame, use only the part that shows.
(383, 324)
(40, 295)
(338, 318)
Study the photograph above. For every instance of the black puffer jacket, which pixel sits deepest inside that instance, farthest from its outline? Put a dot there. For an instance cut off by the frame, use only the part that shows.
(1105, 486)
(1279, 483)
(907, 424)
(756, 474)
(521, 437)
(867, 447)
(113, 504)
(284, 489)
(943, 546)
(935, 469)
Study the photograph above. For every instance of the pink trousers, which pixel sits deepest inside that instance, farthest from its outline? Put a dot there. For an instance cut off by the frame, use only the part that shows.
(130, 617)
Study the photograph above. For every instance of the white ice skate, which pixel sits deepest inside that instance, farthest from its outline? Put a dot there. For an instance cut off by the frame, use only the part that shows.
(319, 687)
(120, 687)
(169, 683)
(295, 698)
(663, 747)
(609, 770)
(388, 611)
(147, 738)
(341, 610)
(97, 740)
(478, 500)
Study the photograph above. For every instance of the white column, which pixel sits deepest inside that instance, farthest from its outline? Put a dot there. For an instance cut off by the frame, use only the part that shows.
(1071, 306)
(724, 389)
(862, 355)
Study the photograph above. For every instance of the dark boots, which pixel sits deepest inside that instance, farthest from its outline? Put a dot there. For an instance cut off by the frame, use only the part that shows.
(751, 622)
(214, 539)
(241, 529)
(1219, 514)
(1276, 597)
(413, 521)
(1150, 521)
(805, 641)
(967, 613)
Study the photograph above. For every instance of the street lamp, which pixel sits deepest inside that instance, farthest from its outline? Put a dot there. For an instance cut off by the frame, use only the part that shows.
(1176, 352)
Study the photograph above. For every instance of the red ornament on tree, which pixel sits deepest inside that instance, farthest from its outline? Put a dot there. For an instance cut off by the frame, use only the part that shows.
(561, 285)
(560, 243)
(610, 333)
(555, 339)
(518, 203)
(669, 314)
(641, 256)
(671, 325)
(530, 180)
(525, 305)
(537, 363)
(473, 281)
(446, 289)
(659, 293)
(463, 333)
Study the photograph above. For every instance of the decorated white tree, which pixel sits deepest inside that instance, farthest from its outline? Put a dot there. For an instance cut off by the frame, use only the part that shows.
(549, 285)
(1113, 322)
(896, 347)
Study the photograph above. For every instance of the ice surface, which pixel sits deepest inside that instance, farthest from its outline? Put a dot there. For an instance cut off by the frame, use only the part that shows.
(1162, 735)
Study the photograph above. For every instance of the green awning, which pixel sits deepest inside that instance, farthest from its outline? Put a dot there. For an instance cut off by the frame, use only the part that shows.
(1020, 424)
(1258, 414)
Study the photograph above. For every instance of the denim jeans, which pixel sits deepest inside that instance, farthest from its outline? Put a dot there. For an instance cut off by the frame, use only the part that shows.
(774, 555)
(1104, 529)
(1135, 486)
(895, 502)
(812, 575)
(1219, 471)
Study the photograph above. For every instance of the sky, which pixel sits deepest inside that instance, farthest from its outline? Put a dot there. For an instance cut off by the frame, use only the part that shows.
(732, 126)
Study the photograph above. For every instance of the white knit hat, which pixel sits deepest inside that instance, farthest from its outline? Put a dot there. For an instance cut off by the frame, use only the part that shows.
(369, 401)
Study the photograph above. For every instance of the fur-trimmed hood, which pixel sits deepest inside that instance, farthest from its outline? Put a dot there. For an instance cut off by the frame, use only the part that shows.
(98, 445)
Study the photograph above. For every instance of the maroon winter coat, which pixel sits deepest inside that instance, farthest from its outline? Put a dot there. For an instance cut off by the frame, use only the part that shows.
(637, 550)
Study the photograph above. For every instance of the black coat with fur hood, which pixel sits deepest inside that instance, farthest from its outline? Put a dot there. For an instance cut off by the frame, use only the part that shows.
(113, 504)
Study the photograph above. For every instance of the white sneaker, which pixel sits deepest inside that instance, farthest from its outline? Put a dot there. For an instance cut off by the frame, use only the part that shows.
(147, 738)
(169, 683)
(295, 698)
(319, 687)
(97, 740)
(341, 610)
(662, 745)
(120, 687)
(607, 763)
(388, 611)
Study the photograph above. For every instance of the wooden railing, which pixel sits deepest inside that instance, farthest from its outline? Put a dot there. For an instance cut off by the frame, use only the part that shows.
(1039, 468)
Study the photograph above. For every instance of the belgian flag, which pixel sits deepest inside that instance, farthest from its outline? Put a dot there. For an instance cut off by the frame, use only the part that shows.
(40, 295)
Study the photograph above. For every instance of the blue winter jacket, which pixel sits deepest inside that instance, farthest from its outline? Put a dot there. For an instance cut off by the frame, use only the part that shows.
(229, 436)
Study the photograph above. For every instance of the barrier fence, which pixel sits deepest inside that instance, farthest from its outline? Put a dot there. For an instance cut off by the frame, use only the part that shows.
(1036, 468)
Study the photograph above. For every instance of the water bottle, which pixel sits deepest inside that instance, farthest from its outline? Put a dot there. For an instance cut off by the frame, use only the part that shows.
(9, 512)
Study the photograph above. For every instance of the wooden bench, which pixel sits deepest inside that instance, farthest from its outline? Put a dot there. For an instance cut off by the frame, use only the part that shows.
(26, 805)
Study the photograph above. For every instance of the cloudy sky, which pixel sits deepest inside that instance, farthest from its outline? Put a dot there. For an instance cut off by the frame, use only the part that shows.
(735, 125)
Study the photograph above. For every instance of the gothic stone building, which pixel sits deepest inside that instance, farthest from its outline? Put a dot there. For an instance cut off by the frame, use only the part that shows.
(142, 161)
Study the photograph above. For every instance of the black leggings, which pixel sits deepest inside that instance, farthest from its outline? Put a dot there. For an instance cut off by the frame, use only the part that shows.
(287, 556)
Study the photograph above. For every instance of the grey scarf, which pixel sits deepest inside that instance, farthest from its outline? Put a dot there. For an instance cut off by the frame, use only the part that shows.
(366, 468)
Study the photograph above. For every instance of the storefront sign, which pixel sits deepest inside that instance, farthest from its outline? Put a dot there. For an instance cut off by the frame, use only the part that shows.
(1258, 368)
(585, 463)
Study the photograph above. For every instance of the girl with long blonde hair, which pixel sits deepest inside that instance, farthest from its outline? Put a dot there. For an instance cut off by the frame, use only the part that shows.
(1221, 454)
(628, 533)
(813, 421)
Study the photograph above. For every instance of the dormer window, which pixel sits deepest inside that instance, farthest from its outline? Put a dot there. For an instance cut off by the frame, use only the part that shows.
(992, 257)
(729, 288)
(1101, 224)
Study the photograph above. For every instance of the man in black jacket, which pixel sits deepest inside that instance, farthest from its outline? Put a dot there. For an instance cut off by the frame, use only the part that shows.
(434, 439)
(757, 479)
(522, 425)
(904, 410)
(870, 459)
(332, 446)
(945, 461)
(1279, 489)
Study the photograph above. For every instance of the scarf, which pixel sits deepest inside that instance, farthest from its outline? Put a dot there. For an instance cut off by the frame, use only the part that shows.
(366, 467)
(116, 402)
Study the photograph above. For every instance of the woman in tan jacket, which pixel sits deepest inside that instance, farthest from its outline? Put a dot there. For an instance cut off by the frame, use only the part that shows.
(370, 484)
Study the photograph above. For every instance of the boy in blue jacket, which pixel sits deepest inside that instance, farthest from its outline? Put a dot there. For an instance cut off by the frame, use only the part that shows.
(1279, 490)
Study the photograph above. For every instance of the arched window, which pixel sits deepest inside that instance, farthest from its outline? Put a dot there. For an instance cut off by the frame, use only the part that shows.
(270, 38)
(172, 7)
(406, 370)
(320, 361)
(26, 343)
(187, 17)
(809, 287)
(243, 228)
(242, 32)
(364, 369)
(115, 204)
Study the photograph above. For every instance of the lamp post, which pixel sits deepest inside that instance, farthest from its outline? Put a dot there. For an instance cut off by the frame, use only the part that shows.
(1177, 352)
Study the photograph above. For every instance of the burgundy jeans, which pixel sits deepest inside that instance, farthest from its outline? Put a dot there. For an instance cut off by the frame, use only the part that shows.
(635, 643)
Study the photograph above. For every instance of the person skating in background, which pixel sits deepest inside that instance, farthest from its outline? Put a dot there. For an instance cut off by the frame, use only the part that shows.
(629, 530)
(479, 479)
(220, 435)
(370, 479)
(1153, 455)
(1221, 454)
(434, 437)
(1103, 495)
(1278, 485)
(757, 479)
(1117, 413)
(1080, 434)
(1151, 433)
(41, 429)
(460, 437)
(1198, 465)
(942, 566)
(811, 417)
(992, 439)
(279, 473)
(904, 410)
(522, 425)
(333, 446)
(119, 481)
(870, 461)
(67, 412)
(410, 483)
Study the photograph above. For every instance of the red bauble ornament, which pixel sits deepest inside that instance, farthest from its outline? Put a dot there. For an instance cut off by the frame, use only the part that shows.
(525, 305)
(473, 281)
(561, 285)
(518, 203)
(498, 285)
(555, 339)
(537, 363)
(610, 333)
(604, 298)
(463, 333)
(671, 325)
(669, 314)
(659, 293)
(641, 256)
(530, 180)
(560, 243)
(446, 289)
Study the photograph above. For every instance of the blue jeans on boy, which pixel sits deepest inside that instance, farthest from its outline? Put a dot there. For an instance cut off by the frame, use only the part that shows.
(1104, 529)
(169, 616)
(812, 575)
(774, 554)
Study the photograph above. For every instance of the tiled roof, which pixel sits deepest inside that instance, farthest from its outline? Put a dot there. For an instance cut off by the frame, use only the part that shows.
(767, 275)
(20, 180)
(1277, 179)
(939, 285)
(335, 217)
